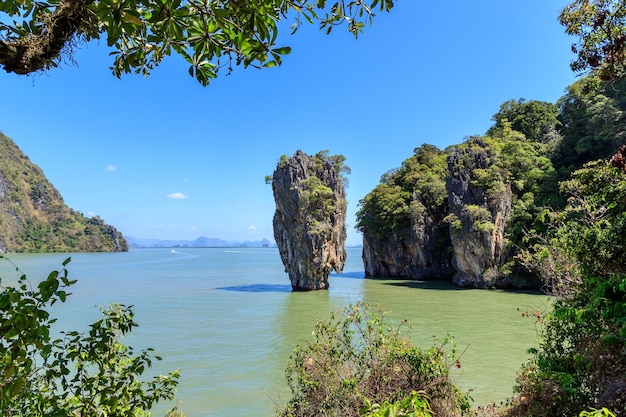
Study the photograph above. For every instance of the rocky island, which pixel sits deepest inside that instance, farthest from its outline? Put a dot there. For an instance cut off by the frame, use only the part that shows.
(474, 213)
(310, 218)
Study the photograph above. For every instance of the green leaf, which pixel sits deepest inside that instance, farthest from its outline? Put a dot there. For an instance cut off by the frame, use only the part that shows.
(129, 18)
(285, 50)
(17, 386)
(53, 275)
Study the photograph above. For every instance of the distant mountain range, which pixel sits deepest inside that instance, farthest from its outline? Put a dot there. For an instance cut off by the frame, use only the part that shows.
(201, 242)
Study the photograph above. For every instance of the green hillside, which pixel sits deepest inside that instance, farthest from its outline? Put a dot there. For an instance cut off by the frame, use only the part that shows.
(34, 218)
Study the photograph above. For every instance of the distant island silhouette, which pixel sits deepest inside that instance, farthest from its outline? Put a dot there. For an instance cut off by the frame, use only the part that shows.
(201, 242)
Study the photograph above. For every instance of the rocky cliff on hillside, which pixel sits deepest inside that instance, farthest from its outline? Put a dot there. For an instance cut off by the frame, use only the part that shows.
(401, 221)
(34, 218)
(448, 214)
(477, 218)
(501, 191)
(413, 253)
(310, 219)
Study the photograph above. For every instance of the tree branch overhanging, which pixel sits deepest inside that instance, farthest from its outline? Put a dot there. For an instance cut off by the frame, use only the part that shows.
(37, 52)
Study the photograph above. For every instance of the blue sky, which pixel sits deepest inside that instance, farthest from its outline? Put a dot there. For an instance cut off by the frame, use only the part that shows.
(162, 157)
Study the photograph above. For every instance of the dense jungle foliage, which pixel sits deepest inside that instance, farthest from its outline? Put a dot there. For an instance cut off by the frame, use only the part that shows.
(581, 361)
(34, 218)
(390, 206)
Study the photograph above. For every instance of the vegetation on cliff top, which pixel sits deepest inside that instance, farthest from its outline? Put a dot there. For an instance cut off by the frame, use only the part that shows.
(34, 218)
(531, 147)
(417, 188)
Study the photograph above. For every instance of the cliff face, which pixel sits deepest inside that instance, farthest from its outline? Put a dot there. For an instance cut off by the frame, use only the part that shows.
(310, 219)
(34, 218)
(401, 220)
(417, 252)
(477, 218)
(447, 215)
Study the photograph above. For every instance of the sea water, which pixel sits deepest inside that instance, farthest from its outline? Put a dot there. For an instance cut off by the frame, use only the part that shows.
(227, 318)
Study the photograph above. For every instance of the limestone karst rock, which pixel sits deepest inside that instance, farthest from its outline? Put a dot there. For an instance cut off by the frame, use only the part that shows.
(477, 220)
(310, 219)
(442, 215)
(418, 251)
(415, 253)
(403, 233)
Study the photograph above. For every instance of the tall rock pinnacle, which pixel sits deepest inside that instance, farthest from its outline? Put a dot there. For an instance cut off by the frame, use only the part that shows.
(310, 218)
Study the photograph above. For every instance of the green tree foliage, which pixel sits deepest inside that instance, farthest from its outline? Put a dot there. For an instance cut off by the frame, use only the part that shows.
(580, 362)
(209, 35)
(529, 172)
(356, 364)
(77, 374)
(338, 162)
(385, 210)
(603, 412)
(414, 405)
(600, 26)
(505, 165)
(416, 189)
(528, 132)
(539, 122)
(318, 197)
(593, 114)
(536, 120)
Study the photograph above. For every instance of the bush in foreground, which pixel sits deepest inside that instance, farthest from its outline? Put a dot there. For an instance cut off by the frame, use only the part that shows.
(581, 360)
(356, 365)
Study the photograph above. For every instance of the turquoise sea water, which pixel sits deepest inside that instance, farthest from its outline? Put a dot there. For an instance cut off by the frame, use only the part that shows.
(228, 320)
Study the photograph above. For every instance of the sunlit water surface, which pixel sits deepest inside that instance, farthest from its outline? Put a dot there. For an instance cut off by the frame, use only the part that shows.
(228, 320)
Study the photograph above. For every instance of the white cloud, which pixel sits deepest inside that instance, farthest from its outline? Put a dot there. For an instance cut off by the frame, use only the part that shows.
(177, 196)
(252, 228)
(110, 168)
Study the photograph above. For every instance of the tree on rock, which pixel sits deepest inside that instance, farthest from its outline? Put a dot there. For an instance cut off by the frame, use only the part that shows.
(310, 217)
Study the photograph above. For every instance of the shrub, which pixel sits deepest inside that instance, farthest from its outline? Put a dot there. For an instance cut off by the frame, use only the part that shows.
(90, 374)
(581, 362)
(357, 364)
(414, 405)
